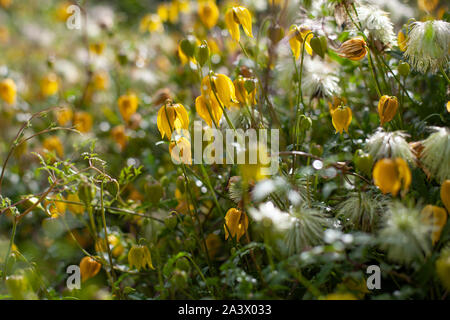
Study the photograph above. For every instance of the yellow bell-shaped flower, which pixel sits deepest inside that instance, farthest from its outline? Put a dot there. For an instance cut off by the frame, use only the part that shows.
(208, 13)
(219, 86)
(75, 205)
(151, 23)
(445, 194)
(49, 85)
(208, 110)
(82, 121)
(119, 135)
(437, 218)
(391, 175)
(180, 151)
(89, 268)
(53, 144)
(8, 91)
(236, 223)
(387, 108)
(242, 94)
(139, 256)
(172, 117)
(128, 104)
(354, 49)
(341, 118)
(64, 116)
(297, 36)
(236, 16)
(401, 41)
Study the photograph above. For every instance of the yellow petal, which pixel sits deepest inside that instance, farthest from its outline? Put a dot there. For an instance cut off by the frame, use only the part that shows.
(245, 18)
(232, 26)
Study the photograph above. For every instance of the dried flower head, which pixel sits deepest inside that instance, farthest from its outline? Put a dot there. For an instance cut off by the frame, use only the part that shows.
(404, 235)
(436, 154)
(376, 24)
(428, 44)
(384, 144)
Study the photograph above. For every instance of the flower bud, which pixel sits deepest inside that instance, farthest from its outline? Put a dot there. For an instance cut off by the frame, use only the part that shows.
(86, 193)
(403, 68)
(188, 46)
(139, 257)
(171, 220)
(363, 161)
(203, 53)
(353, 49)
(387, 108)
(318, 46)
(276, 33)
(437, 218)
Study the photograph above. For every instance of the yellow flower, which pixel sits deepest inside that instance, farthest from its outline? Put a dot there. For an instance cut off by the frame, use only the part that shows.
(236, 222)
(353, 49)
(100, 80)
(182, 152)
(151, 23)
(436, 217)
(128, 104)
(49, 85)
(172, 117)
(64, 116)
(296, 37)
(251, 171)
(341, 118)
(97, 48)
(427, 5)
(208, 13)
(61, 11)
(401, 40)
(445, 194)
(387, 108)
(8, 91)
(53, 144)
(391, 175)
(340, 296)
(75, 208)
(82, 121)
(139, 256)
(242, 94)
(4, 35)
(222, 88)
(163, 12)
(56, 208)
(119, 135)
(205, 108)
(448, 106)
(336, 102)
(5, 3)
(443, 267)
(236, 16)
(213, 244)
(89, 268)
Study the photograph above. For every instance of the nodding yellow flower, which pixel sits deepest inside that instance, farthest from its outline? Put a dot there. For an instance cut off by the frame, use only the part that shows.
(64, 116)
(213, 244)
(53, 144)
(4, 35)
(163, 12)
(75, 208)
(56, 208)
(219, 86)
(208, 13)
(427, 5)
(100, 80)
(89, 268)
(97, 48)
(341, 118)
(128, 105)
(242, 94)
(391, 175)
(436, 217)
(151, 23)
(401, 40)
(236, 224)
(49, 84)
(336, 102)
(236, 16)
(206, 108)
(180, 151)
(8, 91)
(172, 117)
(82, 121)
(61, 11)
(139, 256)
(119, 135)
(445, 194)
(448, 106)
(354, 49)
(387, 108)
(443, 267)
(297, 35)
